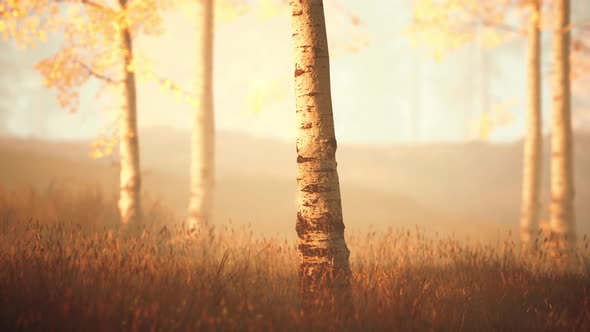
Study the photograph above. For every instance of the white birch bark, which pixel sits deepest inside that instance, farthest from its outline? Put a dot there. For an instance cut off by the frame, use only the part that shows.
(562, 180)
(532, 165)
(130, 179)
(202, 142)
(324, 255)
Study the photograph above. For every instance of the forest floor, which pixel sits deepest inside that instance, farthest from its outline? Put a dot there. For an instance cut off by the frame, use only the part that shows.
(84, 272)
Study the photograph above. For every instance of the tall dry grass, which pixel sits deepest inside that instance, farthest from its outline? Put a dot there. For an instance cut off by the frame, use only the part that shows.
(66, 265)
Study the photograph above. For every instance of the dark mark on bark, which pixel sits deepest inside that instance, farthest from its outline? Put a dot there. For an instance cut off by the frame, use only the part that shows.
(306, 125)
(301, 159)
(301, 224)
(313, 251)
(325, 170)
(326, 223)
(310, 202)
(332, 143)
(315, 188)
(299, 72)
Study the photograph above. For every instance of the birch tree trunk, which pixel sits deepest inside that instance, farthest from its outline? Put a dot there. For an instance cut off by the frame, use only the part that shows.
(130, 180)
(324, 266)
(484, 79)
(416, 64)
(531, 183)
(472, 91)
(416, 100)
(562, 183)
(202, 177)
(484, 104)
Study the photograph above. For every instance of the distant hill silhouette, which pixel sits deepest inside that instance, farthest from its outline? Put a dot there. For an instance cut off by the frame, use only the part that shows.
(469, 189)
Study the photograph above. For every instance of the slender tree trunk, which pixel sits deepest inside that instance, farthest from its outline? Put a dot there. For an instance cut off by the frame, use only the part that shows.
(531, 183)
(484, 79)
(464, 94)
(416, 94)
(483, 93)
(202, 155)
(416, 65)
(324, 266)
(467, 117)
(130, 180)
(562, 180)
(472, 93)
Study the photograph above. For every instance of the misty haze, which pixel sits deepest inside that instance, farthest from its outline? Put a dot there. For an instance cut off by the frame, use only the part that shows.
(305, 165)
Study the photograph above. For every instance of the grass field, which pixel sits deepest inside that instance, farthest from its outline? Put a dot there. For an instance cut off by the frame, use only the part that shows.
(71, 267)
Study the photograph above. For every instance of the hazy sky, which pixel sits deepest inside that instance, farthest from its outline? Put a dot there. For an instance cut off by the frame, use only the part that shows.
(370, 88)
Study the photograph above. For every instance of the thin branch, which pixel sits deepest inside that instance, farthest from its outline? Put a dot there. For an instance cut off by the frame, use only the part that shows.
(500, 26)
(96, 74)
(89, 3)
(481, 17)
(93, 4)
(174, 87)
(354, 19)
(503, 27)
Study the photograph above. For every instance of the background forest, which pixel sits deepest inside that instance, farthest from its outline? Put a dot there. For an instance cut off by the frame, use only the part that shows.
(434, 160)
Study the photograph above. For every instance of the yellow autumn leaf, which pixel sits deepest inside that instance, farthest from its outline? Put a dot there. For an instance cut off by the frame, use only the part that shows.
(177, 94)
(72, 11)
(268, 9)
(225, 11)
(501, 113)
(192, 101)
(255, 100)
(438, 55)
(535, 17)
(96, 154)
(485, 126)
(42, 36)
(491, 38)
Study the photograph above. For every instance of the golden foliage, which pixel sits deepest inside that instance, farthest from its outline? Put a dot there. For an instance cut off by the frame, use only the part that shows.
(268, 9)
(490, 38)
(28, 21)
(92, 44)
(103, 146)
(500, 116)
(442, 26)
(228, 10)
